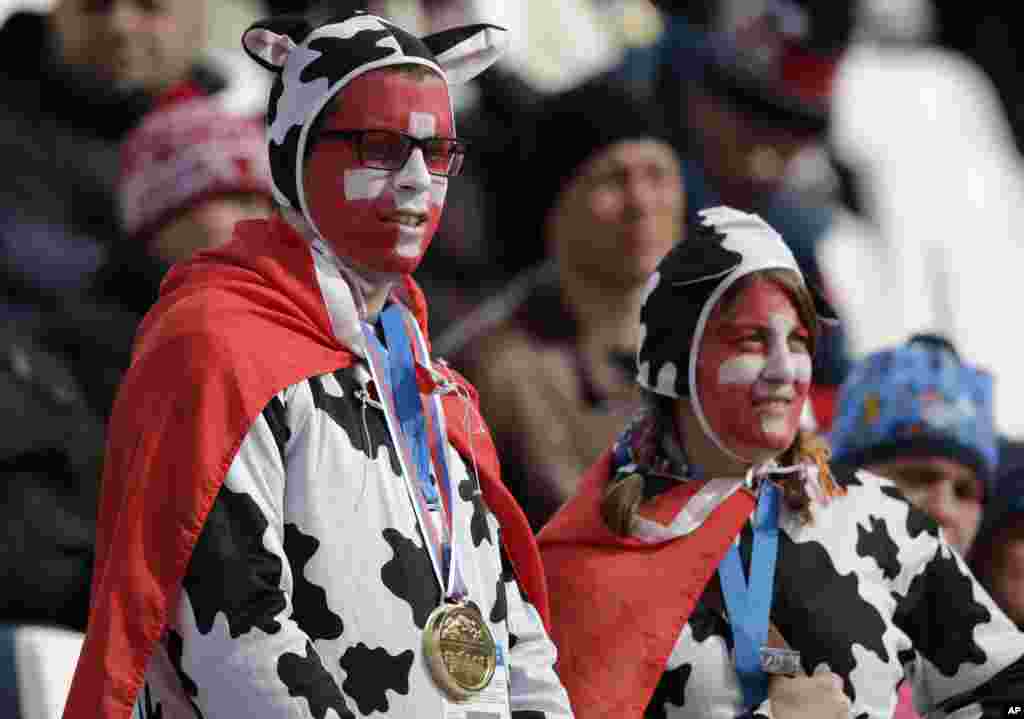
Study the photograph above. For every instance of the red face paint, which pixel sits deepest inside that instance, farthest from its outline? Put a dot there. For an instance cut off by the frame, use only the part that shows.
(382, 220)
(754, 372)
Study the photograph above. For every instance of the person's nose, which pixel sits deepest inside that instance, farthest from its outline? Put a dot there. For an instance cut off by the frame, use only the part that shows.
(123, 17)
(940, 502)
(780, 368)
(414, 175)
(641, 194)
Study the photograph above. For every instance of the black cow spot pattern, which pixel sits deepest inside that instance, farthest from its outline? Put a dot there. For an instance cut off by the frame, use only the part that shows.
(282, 161)
(409, 575)
(671, 689)
(479, 529)
(918, 522)
(333, 49)
(175, 648)
(688, 269)
(905, 656)
(499, 611)
(306, 678)
(149, 709)
(705, 622)
(231, 571)
(309, 602)
(371, 672)
(808, 594)
(347, 412)
(845, 476)
(878, 545)
(276, 417)
(943, 592)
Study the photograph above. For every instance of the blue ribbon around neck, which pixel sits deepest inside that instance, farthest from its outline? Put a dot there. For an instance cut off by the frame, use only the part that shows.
(409, 406)
(750, 604)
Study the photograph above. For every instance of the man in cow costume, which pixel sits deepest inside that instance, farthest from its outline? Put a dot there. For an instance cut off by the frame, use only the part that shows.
(301, 512)
(826, 576)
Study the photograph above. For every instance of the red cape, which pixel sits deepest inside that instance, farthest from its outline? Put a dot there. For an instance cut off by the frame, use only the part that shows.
(233, 327)
(618, 604)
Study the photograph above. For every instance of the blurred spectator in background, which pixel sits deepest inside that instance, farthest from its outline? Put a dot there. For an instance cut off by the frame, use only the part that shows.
(189, 172)
(998, 555)
(747, 88)
(918, 415)
(75, 80)
(552, 357)
(50, 456)
(933, 191)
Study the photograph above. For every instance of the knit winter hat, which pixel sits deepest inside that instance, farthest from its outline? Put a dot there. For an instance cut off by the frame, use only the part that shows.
(918, 399)
(575, 125)
(313, 60)
(183, 153)
(723, 246)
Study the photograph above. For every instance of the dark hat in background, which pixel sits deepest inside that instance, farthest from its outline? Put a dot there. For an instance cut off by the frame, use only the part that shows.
(778, 63)
(917, 399)
(571, 127)
(184, 152)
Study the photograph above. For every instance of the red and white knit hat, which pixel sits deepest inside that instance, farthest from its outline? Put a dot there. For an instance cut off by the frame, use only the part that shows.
(185, 152)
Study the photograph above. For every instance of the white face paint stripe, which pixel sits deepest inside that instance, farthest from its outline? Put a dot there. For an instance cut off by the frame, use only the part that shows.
(780, 364)
(364, 183)
(784, 364)
(422, 124)
(741, 369)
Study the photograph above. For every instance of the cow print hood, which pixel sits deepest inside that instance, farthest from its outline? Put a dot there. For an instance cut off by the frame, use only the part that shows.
(723, 246)
(313, 61)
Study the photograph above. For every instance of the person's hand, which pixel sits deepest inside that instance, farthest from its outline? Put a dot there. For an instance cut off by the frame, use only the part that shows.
(819, 696)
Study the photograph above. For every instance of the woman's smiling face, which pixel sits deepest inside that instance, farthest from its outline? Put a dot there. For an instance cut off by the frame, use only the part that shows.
(754, 371)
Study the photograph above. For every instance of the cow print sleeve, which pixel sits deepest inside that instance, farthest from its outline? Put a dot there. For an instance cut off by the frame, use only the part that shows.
(535, 689)
(240, 634)
(967, 650)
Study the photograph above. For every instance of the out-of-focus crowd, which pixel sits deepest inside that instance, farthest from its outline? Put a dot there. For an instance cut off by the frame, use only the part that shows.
(883, 140)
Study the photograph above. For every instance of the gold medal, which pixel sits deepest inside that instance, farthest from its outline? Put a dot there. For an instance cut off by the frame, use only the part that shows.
(460, 649)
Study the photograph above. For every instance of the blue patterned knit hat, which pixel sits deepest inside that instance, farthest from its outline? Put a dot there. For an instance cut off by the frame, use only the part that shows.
(918, 399)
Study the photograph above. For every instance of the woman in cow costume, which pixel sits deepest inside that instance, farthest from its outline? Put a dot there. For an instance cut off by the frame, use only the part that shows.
(826, 576)
(301, 511)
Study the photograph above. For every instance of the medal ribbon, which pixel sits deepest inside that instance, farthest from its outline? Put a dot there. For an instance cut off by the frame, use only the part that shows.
(750, 604)
(416, 439)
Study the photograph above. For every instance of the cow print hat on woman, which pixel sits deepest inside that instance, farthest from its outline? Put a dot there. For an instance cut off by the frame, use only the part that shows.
(723, 246)
(313, 61)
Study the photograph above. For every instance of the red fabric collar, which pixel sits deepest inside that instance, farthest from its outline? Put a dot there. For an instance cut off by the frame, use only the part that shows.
(199, 378)
(614, 644)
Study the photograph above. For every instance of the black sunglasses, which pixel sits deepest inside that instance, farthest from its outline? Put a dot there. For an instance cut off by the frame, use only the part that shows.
(390, 150)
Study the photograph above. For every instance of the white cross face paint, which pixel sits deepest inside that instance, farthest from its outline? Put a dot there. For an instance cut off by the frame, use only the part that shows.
(383, 220)
(367, 183)
(754, 371)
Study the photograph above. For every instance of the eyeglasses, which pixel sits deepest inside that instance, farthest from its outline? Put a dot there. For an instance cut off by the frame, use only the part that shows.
(390, 150)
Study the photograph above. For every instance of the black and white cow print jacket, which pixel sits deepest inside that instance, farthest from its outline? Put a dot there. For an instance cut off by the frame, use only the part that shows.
(310, 585)
(871, 591)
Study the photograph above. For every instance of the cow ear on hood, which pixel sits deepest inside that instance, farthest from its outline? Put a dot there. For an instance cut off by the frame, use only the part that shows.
(464, 52)
(270, 41)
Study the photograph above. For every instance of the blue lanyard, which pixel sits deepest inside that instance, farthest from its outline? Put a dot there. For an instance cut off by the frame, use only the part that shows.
(408, 404)
(750, 605)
